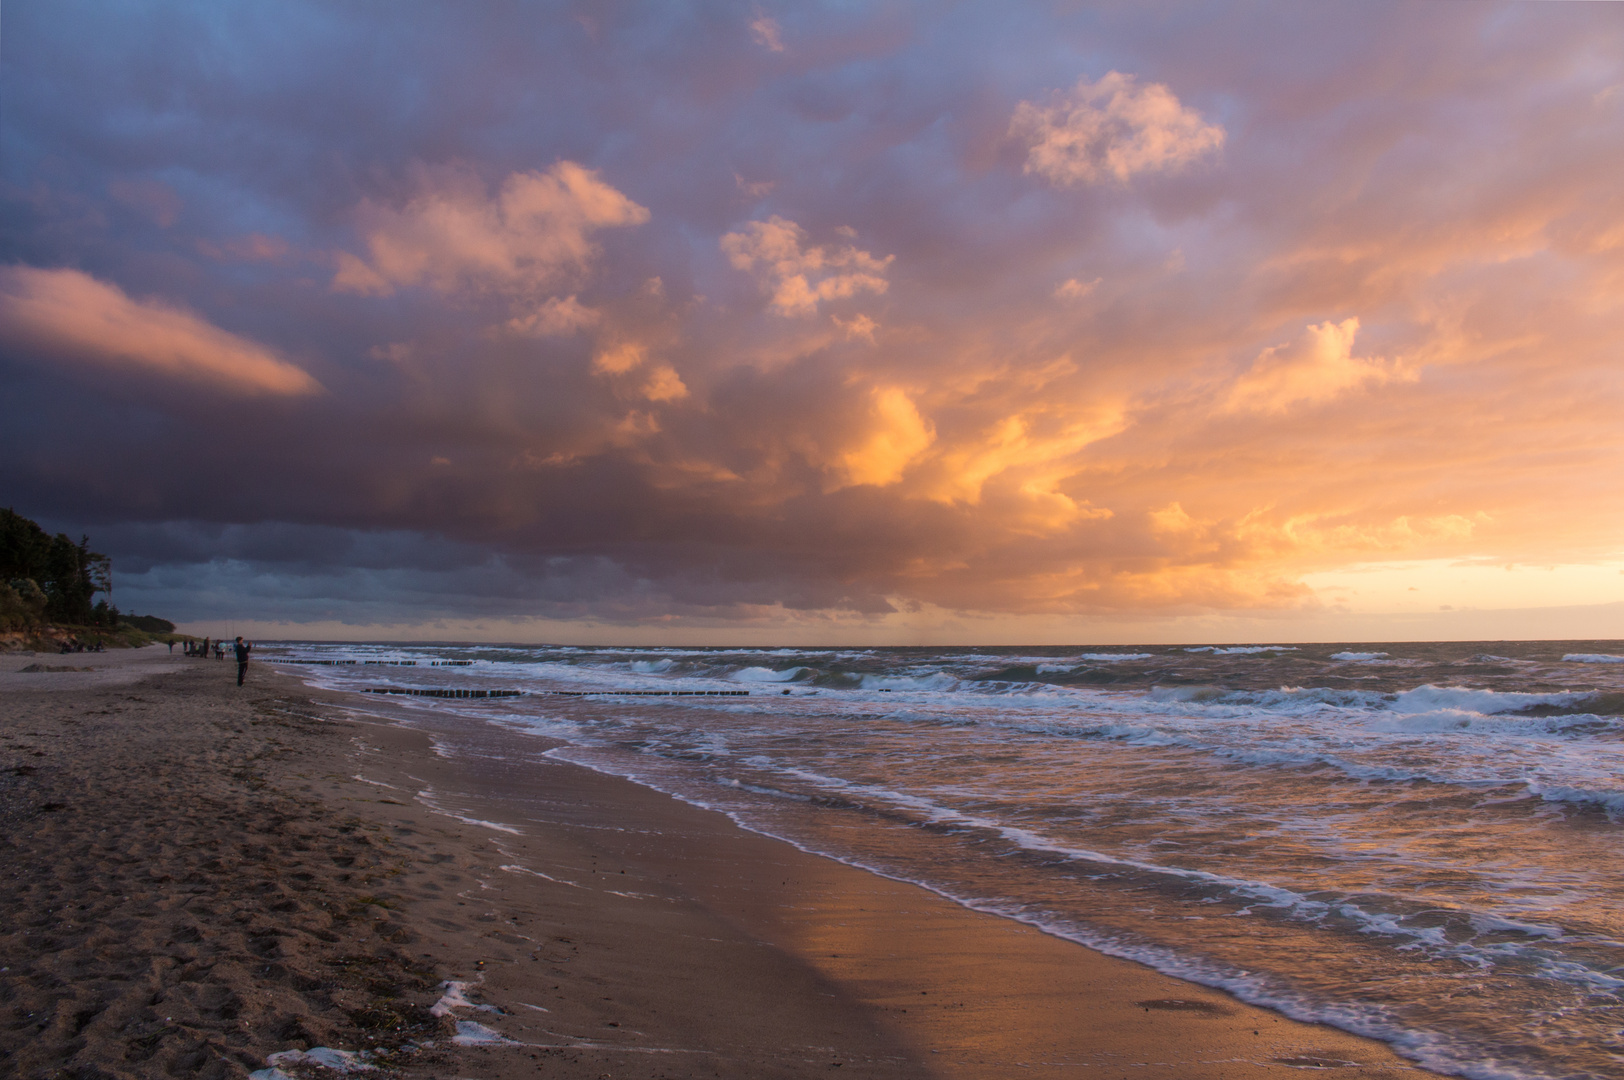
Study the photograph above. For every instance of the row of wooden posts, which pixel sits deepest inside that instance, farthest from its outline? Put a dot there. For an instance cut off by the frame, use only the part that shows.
(377, 663)
(456, 693)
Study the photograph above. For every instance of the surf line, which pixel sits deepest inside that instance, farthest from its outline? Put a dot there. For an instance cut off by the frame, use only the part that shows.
(455, 693)
(644, 693)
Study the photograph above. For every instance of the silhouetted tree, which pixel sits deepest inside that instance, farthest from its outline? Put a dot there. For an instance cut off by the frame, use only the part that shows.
(68, 575)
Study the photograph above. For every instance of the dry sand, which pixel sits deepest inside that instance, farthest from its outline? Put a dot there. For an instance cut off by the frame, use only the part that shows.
(194, 877)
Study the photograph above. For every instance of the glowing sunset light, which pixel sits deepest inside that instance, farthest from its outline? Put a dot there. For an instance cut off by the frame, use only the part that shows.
(825, 323)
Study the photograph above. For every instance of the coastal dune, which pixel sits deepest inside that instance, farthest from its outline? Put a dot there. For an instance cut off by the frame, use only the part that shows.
(202, 880)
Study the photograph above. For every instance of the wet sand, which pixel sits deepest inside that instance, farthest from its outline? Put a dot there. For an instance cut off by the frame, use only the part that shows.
(198, 877)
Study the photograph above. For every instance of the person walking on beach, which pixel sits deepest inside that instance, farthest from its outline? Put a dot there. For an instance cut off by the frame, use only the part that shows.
(242, 657)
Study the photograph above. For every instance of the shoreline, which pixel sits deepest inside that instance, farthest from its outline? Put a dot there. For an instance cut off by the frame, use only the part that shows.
(619, 928)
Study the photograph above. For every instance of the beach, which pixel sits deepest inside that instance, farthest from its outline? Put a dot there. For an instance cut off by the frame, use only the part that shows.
(200, 877)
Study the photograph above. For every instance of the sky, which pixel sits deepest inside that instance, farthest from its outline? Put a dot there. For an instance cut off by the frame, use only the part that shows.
(828, 322)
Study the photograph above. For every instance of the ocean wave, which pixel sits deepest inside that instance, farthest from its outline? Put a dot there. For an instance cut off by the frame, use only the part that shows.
(1457, 720)
(1285, 699)
(1429, 698)
(767, 675)
(1593, 658)
(1070, 664)
(1611, 801)
(1350, 796)
(1369, 913)
(1241, 650)
(938, 680)
(1385, 916)
(1506, 750)
(1139, 734)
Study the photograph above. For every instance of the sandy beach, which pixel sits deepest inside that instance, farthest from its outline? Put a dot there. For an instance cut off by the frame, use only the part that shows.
(199, 878)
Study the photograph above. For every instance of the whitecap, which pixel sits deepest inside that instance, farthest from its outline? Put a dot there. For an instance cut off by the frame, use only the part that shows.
(766, 675)
(1430, 699)
(1612, 801)
(1241, 650)
(935, 681)
(1072, 663)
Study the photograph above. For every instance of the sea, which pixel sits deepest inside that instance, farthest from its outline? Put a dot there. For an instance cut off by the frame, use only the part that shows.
(1418, 842)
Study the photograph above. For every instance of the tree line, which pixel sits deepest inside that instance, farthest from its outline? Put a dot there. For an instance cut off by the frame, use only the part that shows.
(51, 579)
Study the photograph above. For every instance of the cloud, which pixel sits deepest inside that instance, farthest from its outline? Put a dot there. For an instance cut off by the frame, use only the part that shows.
(664, 384)
(767, 33)
(620, 358)
(858, 326)
(754, 189)
(1025, 459)
(158, 202)
(1111, 128)
(800, 277)
(895, 438)
(70, 316)
(455, 238)
(1073, 289)
(255, 247)
(555, 317)
(1318, 367)
(657, 381)
(787, 428)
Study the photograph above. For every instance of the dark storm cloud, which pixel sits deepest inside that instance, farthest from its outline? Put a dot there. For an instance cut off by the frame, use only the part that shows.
(731, 312)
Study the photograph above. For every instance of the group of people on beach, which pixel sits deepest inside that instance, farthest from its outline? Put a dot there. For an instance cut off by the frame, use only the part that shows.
(201, 648)
(75, 645)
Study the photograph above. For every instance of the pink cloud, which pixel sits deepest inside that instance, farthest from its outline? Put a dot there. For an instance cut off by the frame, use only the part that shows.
(70, 316)
(255, 247)
(767, 33)
(801, 276)
(1111, 128)
(554, 317)
(454, 237)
